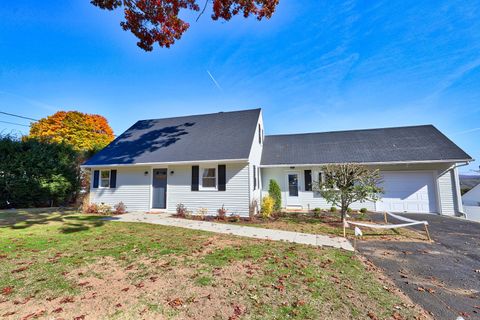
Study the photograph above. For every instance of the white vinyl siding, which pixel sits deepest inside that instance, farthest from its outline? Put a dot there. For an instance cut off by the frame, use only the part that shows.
(235, 198)
(442, 189)
(132, 188)
(308, 199)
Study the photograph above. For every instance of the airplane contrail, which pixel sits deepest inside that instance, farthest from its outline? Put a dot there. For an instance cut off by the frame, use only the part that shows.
(214, 81)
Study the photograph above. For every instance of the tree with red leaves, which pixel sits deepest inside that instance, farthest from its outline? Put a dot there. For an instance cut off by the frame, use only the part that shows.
(157, 21)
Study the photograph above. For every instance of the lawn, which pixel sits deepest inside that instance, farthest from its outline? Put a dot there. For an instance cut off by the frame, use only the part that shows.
(74, 266)
(330, 224)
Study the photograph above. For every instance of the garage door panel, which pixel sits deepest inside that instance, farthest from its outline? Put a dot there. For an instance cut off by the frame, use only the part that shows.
(408, 192)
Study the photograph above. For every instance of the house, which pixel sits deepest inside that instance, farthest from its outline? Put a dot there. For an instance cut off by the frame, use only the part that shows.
(471, 203)
(224, 159)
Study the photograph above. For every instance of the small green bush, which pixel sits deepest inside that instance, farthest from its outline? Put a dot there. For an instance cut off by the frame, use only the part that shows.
(333, 209)
(349, 210)
(276, 194)
(363, 210)
(268, 204)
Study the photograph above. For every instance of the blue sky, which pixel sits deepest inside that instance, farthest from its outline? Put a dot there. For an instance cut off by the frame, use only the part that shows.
(315, 66)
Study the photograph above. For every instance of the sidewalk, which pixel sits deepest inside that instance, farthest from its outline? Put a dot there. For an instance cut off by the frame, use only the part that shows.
(242, 231)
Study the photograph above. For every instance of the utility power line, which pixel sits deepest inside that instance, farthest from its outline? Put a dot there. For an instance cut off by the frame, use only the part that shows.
(18, 116)
(18, 124)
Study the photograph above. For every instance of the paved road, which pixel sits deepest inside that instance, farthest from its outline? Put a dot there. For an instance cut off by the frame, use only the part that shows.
(440, 276)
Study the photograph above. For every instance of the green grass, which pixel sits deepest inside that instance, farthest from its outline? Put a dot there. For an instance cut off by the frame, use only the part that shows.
(329, 224)
(269, 280)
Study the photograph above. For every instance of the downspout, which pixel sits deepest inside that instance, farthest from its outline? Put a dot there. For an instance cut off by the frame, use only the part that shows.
(457, 189)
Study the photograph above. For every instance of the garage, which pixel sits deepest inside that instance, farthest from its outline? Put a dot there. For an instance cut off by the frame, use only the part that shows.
(408, 192)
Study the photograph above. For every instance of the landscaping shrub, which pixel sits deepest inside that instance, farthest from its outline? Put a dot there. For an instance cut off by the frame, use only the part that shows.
(222, 214)
(333, 209)
(268, 204)
(363, 210)
(90, 208)
(104, 209)
(120, 208)
(234, 218)
(181, 210)
(317, 211)
(349, 210)
(37, 174)
(201, 213)
(276, 194)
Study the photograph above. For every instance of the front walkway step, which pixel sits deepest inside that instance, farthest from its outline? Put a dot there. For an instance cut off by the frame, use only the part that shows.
(243, 231)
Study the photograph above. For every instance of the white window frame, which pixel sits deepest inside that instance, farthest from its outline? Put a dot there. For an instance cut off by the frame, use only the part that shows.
(200, 178)
(100, 179)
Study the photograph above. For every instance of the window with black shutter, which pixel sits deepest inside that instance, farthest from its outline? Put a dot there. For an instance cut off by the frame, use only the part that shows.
(254, 177)
(113, 178)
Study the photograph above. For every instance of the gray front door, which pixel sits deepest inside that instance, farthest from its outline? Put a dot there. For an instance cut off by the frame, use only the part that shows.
(159, 184)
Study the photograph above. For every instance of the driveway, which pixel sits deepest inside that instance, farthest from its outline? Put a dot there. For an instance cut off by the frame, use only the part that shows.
(444, 276)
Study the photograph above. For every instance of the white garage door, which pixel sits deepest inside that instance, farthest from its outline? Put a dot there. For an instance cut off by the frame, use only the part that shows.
(408, 192)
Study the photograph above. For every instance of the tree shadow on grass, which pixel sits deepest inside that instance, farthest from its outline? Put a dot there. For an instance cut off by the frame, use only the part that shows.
(72, 227)
(23, 219)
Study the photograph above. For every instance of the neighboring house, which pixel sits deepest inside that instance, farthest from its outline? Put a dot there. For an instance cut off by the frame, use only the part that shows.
(471, 203)
(224, 159)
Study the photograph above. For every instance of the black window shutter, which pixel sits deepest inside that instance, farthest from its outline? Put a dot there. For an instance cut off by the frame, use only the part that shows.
(96, 176)
(113, 178)
(308, 180)
(254, 177)
(222, 177)
(195, 178)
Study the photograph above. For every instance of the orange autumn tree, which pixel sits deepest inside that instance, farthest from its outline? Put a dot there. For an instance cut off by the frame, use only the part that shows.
(84, 132)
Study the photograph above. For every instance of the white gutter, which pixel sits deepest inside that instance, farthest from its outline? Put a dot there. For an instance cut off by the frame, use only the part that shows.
(370, 163)
(162, 163)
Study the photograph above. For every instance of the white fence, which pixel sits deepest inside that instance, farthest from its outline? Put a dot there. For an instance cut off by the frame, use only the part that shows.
(473, 212)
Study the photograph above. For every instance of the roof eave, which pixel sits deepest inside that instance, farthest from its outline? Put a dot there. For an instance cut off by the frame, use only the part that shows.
(370, 163)
(86, 166)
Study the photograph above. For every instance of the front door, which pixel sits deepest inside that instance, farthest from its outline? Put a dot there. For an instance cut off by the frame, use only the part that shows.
(292, 189)
(159, 191)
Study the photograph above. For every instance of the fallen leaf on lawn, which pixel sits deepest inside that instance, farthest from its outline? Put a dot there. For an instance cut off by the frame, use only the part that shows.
(153, 279)
(79, 317)
(140, 285)
(81, 284)
(125, 289)
(67, 300)
(372, 315)
(118, 305)
(175, 303)
(431, 290)
(11, 313)
(397, 316)
(421, 289)
(36, 314)
(58, 310)
(20, 269)
(7, 290)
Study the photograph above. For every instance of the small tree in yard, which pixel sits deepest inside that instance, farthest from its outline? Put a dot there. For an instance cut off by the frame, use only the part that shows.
(276, 194)
(347, 183)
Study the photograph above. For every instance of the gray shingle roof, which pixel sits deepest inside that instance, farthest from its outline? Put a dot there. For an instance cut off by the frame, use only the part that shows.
(216, 136)
(416, 143)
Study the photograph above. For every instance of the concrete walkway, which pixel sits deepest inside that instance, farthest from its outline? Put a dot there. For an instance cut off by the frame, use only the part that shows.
(243, 231)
